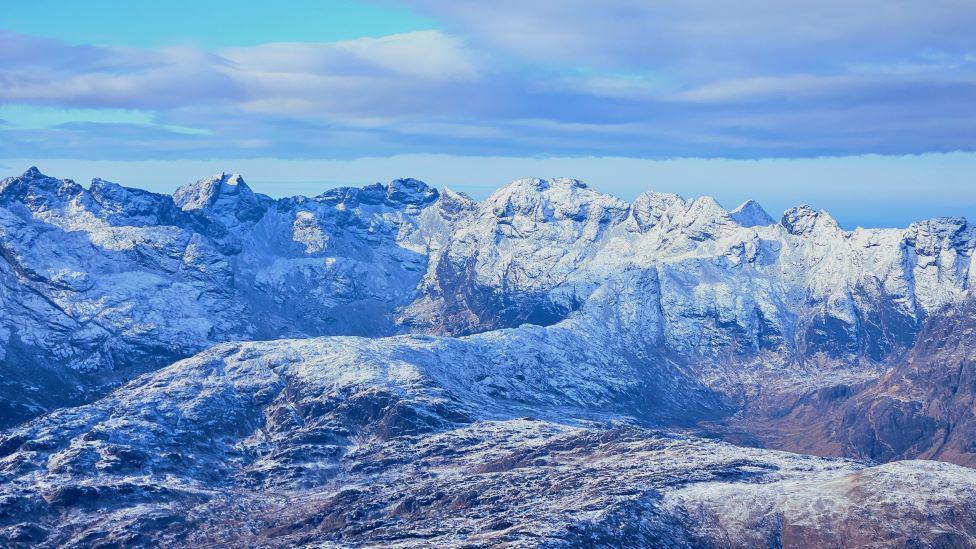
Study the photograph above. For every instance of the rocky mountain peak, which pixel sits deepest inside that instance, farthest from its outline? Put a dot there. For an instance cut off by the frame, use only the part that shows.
(803, 219)
(706, 207)
(650, 207)
(569, 182)
(32, 173)
(221, 195)
(106, 191)
(205, 192)
(551, 199)
(409, 191)
(931, 235)
(399, 193)
(132, 206)
(454, 204)
(751, 214)
(36, 188)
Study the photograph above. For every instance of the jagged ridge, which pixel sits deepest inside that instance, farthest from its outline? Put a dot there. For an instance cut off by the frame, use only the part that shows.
(101, 284)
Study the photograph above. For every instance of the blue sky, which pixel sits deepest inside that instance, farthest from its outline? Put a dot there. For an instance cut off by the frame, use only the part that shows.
(789, 101)
(208, 24)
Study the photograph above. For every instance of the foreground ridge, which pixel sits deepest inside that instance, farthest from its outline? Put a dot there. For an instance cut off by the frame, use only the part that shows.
(405, 442)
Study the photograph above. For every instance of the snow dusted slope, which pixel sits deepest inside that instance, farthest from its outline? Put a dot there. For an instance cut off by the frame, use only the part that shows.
(419, 441)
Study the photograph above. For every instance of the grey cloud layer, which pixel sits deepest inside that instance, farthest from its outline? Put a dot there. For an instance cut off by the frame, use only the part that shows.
(620, 78)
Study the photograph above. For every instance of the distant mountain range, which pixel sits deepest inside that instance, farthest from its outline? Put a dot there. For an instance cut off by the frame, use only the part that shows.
(401, 365)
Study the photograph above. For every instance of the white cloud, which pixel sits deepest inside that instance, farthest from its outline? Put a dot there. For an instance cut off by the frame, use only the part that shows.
(427, 55)
(287, 78)
(629, 78)
(716, 38)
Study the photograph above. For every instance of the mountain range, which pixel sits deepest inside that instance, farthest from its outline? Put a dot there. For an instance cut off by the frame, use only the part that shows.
(551, 366)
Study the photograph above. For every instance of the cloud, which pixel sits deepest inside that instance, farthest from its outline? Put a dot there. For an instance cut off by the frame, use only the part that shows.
(851, 88)
(427, 55)
(293, 76)
(661, 79)
(42, 71)
(727, 38)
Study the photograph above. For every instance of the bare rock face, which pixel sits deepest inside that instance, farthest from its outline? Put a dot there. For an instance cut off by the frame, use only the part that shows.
(922, 408)
(931, 395)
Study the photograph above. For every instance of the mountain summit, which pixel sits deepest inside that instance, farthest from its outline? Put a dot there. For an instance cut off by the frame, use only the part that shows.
(751, 214)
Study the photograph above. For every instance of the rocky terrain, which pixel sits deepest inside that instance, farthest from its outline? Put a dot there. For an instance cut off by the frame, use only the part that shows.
(923, 406)
(407, 442)
(400, 365)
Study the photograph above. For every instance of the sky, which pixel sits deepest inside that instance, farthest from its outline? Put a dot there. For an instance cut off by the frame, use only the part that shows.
(861, 107)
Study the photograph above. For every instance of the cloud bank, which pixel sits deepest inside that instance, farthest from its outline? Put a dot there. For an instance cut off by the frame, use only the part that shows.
(663, 79)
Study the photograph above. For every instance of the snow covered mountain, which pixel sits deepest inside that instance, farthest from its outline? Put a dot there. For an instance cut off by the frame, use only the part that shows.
(535, 368)
(100, 284)
(536, 249)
